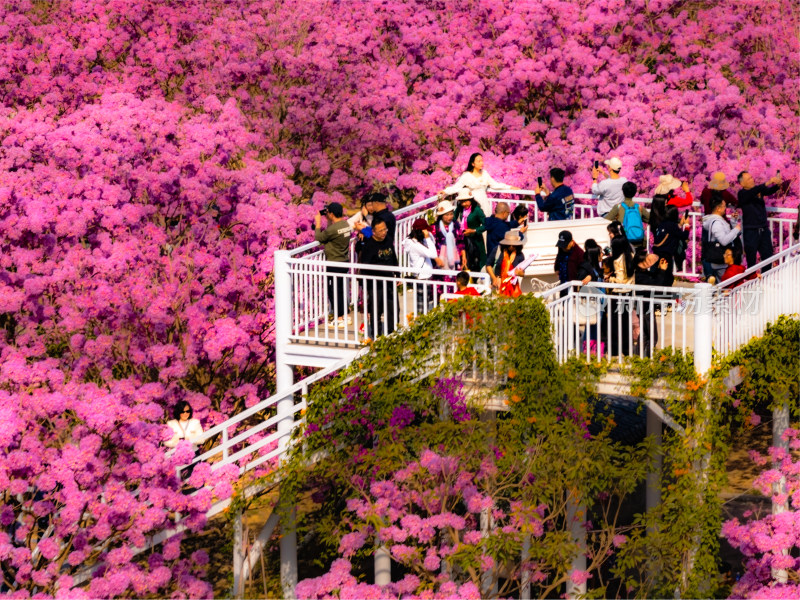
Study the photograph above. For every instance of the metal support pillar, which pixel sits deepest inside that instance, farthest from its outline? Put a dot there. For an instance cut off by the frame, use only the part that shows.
(653, 490)
(383, 565)
(284, 379)
(238, 556)
(703, 328)
(525, 579)
(576, 516)
(780, 423)
(703, 342)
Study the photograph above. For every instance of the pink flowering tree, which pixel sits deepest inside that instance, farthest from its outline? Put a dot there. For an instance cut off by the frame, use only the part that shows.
(155, 155)
(770, 544)
(84, 481)
(462, 507)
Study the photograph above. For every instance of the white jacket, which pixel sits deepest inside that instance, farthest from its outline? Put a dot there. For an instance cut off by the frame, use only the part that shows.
(420, 256)
(478, 186)
(719, 230)
(191, 431)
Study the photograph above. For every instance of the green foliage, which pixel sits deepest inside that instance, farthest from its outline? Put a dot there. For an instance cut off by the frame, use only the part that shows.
(676, 545)
(540, 443)
(349, 440)
(770, 366)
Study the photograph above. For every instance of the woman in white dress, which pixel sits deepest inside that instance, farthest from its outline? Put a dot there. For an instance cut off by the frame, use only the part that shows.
(477, 180)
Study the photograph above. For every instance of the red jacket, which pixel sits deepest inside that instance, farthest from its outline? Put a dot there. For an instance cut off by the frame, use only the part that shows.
(705, 199)
(681, 201)
(734, 270)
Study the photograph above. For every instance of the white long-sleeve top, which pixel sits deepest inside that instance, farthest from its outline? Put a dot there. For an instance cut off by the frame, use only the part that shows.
(478, 186)
(420, 256)
(190, 430)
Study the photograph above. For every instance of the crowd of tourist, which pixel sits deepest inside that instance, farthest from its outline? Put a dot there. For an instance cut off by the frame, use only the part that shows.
(467, 235)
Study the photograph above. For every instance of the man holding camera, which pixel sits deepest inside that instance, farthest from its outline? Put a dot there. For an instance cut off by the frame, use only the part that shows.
(335, 240)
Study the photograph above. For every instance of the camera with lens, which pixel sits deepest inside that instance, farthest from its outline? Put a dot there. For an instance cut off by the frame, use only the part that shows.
(607, 251)
(323, 212)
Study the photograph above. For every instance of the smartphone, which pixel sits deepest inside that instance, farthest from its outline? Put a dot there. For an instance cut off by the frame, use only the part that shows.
(596, 164)
(539, 180)
(686, 214)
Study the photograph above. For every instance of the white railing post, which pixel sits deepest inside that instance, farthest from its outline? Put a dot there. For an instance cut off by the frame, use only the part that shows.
(383, 565)
(703, 328)
(284, 380)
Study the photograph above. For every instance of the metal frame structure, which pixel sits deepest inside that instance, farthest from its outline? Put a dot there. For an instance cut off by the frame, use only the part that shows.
(714, 315)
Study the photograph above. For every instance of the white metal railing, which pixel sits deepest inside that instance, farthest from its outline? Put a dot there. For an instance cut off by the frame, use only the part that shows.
(780, 223)
(252, 445)
(612, 320)
(743, 305)
(371, 304)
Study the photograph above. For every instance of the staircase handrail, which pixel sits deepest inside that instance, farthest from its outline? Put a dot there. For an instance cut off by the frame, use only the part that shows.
(780, 257)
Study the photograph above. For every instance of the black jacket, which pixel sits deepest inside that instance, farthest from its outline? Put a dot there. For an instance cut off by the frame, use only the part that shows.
(378, 253)
(754, 211)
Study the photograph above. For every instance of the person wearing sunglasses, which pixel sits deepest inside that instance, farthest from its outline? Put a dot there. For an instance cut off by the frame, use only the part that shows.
(183, 426)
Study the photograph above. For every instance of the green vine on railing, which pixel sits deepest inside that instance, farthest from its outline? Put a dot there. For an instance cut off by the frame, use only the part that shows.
(382, 412)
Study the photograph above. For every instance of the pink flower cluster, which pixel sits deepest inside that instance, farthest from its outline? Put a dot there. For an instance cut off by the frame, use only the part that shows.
(340, 583)
(770, 544)
(423, 524)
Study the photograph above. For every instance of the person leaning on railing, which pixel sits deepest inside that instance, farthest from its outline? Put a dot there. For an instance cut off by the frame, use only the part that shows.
(503, 265)
(669, 241)
(448, 237)
(733, 262)
(650, 270)
(380, 296)
(718, 235)
(421, 250)
(184, 427)
(568, 259)
(499, 224)
(622, 264)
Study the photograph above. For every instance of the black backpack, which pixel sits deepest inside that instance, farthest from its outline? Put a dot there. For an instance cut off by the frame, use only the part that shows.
(714, 252)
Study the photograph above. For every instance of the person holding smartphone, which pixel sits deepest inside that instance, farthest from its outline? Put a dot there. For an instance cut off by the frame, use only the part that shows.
(756, 233)
(558, 204)
(608, 191)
